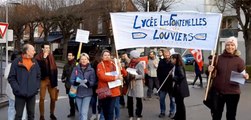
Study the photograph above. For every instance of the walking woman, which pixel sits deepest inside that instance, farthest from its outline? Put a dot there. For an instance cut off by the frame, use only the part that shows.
(229, 91)
(83, 76)
(180, 90)
(136, 86)
(104, 72)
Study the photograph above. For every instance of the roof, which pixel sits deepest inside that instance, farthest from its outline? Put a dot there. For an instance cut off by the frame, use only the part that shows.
(53, 37)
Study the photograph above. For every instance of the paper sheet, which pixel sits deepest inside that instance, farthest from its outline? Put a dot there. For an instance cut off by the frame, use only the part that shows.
(237, 77)
(114, 84)
(132, 71)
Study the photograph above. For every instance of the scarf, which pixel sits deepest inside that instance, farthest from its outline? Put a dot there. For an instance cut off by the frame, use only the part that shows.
(52, 62)
(134, 62)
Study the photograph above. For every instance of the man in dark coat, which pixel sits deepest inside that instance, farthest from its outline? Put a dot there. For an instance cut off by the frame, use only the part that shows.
(66, 75)
(164, 68)
(49, 79)
(24, 78)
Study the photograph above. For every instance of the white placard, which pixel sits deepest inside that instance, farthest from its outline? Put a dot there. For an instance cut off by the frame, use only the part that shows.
(82, 36)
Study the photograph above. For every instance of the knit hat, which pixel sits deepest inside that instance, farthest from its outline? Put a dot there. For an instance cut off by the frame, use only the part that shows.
(134, 54)
(233, 40)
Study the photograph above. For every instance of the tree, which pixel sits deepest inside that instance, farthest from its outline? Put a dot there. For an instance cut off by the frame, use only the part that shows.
(154, 5)
(243, 14)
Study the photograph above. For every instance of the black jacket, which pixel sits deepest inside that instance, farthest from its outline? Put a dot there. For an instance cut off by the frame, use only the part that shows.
(24, 83)
(163, 69)
(180, 86)
(67, 70)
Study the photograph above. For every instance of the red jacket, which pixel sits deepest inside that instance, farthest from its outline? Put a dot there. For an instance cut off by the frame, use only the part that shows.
(102, 68)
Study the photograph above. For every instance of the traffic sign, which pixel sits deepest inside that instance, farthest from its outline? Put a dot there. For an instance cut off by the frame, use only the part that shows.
(3, 28)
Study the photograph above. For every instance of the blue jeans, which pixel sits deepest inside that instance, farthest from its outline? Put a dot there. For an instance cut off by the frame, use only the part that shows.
(117, 107)
(108, 106)
(162, 100)
(83, 107)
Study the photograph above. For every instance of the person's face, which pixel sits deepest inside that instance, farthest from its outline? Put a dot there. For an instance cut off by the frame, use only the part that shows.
(46, 49)
(30, 51)
(160, 53)
(70, 56)
(124, 56)
(167, 55)
(173, 60)
(106, 56)
(151, 55)
(83, 60)
(230, 47)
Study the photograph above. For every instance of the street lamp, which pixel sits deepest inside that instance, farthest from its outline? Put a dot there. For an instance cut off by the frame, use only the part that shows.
(15, 2)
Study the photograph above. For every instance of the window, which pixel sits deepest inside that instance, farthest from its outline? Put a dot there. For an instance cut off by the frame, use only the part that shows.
(229, 22)
(100, 25)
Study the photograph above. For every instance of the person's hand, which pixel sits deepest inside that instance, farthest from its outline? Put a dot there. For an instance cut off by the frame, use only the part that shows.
(120, 77)
(246, 76)
(46, 54)
(210, 68)
(85, 80)
(63, 80)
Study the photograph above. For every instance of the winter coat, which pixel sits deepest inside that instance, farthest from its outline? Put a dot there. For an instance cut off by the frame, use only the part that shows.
(225, 65)
(152, 67)
(88, 74)
(180, 86)
(103, 79)
(136, 85)
(67, 70)
(162, 71)
(24, 83)
(53, 71)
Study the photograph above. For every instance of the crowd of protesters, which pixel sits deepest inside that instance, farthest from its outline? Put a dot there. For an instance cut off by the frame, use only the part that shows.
(103, 82)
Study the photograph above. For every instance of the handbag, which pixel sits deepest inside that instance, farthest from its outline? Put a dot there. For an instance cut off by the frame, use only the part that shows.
(212, 99)
(73, 91)
(103, 92)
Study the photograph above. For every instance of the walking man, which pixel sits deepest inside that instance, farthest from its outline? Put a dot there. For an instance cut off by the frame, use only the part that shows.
(49, 79)
(67, 70)
(24, 78)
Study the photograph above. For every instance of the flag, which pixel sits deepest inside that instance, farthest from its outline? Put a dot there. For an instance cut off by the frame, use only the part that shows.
(197, 54)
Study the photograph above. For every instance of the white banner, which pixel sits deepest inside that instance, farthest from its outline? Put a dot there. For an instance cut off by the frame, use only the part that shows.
(82, 36)
(166, 29)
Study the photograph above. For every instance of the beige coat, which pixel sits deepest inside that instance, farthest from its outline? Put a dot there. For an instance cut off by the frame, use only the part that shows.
(136, 86)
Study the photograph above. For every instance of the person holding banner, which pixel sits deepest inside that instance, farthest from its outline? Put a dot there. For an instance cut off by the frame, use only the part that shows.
(136, 85)
(164, 68)
(105, 71)
(228, 91)
(180, 89)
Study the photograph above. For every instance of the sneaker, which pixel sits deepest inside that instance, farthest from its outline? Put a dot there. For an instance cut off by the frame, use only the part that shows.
(70, 115)
(41, 118)
(138, 118)
(131, 118)
(53, 117)
(171, 115)
(93, 117)
(161, 115)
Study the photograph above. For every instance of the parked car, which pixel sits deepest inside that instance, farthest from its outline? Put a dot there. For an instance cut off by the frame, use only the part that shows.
(188, 59)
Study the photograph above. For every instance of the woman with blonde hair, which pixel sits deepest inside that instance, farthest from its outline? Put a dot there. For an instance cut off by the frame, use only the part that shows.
(83, 76)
